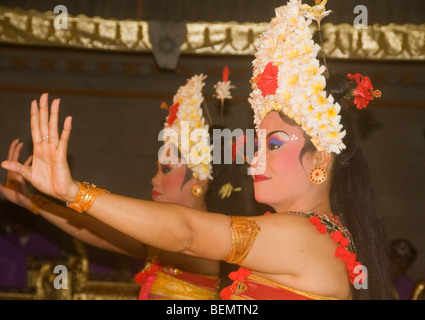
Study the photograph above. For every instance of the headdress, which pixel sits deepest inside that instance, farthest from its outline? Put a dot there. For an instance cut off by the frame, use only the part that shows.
(186, 115)
(288, 77)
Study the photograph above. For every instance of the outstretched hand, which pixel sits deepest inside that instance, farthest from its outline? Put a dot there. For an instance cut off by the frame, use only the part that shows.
(15, 190)
(49, 172)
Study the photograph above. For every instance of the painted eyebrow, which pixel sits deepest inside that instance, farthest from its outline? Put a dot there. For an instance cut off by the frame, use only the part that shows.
(277, 131)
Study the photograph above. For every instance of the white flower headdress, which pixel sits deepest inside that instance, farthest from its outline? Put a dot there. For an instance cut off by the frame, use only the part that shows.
(288, 77)
(187, 110)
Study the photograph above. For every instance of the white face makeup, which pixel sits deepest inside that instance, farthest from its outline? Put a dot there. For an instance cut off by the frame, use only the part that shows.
(284, 179)
(167, 184)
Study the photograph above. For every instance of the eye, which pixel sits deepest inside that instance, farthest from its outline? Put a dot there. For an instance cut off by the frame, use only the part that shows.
(274, 144)
(255, 145)
(165, 169)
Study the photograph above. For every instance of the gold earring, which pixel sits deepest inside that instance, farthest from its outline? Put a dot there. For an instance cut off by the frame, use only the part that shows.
(197, 190)
(318, 175)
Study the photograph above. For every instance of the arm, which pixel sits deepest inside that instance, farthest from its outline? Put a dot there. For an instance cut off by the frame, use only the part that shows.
(166, 226)
(82, 227)
(163, 225)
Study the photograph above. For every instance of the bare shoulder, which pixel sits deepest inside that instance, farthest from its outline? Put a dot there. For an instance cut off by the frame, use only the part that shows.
(291, 244)
(290, 250)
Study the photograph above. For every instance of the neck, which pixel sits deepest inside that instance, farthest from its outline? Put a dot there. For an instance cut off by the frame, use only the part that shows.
(316, 200)
(197, 204)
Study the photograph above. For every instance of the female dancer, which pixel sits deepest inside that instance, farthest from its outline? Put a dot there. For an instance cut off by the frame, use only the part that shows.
(325, 240)
(166, 275)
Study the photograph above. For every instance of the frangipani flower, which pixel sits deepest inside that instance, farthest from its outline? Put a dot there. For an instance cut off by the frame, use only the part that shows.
(187, 110)
(288, 77)
(316, 12)
(227, 189)
(222, 89)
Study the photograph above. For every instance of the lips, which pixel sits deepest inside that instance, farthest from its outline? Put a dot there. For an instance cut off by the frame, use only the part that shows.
(259, 178)
(155, 194)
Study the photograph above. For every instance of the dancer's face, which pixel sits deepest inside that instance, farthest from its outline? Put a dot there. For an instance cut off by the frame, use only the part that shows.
(169, 185)
(286, 177)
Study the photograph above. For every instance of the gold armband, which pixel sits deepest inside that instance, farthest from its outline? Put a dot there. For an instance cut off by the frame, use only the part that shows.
(37, 202)
(244, 231)
(86, 197)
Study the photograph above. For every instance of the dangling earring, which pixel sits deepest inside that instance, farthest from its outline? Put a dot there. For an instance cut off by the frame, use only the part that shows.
(318, 175)
(197, 190)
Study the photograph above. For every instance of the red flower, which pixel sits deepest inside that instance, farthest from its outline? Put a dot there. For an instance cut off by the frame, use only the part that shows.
(237, 276)
(140, 277)
(315, 220)
(364, 92)
(267, 81)
(339, 238)
(226, 73)
(172, 116)
(240, 274)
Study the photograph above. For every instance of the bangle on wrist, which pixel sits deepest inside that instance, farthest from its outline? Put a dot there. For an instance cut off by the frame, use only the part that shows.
(86, 196)
(37, 202)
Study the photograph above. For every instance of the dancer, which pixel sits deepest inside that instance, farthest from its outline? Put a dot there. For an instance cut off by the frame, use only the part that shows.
(325, 240)
(166, 275)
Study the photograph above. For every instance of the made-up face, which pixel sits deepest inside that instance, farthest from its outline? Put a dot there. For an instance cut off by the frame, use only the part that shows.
(169, 185)
(286, 178)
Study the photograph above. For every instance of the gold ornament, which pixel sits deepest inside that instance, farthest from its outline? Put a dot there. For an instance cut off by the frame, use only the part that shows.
(197, 190)
(318, 175)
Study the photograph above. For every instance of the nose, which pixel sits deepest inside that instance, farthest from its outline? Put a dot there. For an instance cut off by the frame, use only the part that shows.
(155, 179)
(258, 163)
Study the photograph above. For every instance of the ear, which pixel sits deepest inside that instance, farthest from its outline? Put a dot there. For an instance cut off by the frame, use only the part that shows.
(202, 183)
(323, 159)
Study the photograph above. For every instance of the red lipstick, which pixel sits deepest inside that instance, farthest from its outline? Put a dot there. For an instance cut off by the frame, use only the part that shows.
(259, 178)
(155, 194)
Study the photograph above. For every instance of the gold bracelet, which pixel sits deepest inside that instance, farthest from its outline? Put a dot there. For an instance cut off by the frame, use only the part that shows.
(86, 196)
(37, 202)
(244, 232)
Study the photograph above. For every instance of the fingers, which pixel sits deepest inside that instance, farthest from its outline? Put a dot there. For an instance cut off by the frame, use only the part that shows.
(17, 151)
(66, 132)
(28, 161)
(35, 123)
(53, 122)
(12, 149)
(18, 168)
(44, 115)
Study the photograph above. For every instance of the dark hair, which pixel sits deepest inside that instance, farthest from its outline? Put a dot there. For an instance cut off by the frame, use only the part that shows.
(239, 202)
(352, 199)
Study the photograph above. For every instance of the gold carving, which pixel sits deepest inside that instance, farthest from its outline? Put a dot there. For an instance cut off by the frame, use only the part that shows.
(342, 41)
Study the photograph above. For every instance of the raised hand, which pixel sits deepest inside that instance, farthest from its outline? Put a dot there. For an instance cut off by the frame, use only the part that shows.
(15, 190)
(49, 172)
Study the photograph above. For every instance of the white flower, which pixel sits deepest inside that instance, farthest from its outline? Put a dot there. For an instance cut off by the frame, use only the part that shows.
(288, 44)
(197, 154)
(222, 89)
(316, 12)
